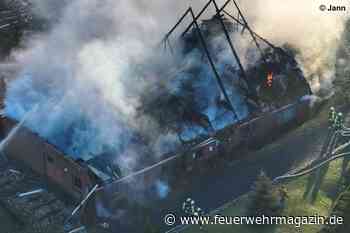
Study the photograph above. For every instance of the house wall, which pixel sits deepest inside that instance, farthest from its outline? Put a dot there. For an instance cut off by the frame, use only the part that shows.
(73, 177)
(44, 159)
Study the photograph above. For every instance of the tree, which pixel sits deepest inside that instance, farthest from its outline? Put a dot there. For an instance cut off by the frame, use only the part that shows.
(342, 80)
(340, 209)
(264, 199)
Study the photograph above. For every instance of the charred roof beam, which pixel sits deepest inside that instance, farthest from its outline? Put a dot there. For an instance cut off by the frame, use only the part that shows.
(196, 18)
(206, 50)
(218, 11)
(250, 94)
(194, 23)
(176, 25)
(235, 54)
(211, 62)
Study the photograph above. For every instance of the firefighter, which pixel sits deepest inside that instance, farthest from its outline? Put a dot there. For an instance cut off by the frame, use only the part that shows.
(193, 207)
(339, 121)
(331, 116)
(188, 206)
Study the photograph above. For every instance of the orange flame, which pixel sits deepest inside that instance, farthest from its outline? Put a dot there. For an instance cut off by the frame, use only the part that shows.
(269, 79)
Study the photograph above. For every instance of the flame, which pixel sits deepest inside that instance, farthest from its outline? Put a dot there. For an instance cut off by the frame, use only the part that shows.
(269, 79)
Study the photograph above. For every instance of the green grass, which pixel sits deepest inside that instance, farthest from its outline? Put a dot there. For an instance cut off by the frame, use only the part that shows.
(296, 206)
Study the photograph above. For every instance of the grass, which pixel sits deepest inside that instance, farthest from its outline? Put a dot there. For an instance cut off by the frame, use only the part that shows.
(296, 206)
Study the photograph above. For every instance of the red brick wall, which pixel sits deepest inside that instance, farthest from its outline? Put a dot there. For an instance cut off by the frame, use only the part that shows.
(47, 161)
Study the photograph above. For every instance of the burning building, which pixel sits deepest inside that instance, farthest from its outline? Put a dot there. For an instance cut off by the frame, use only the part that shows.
(214, 99)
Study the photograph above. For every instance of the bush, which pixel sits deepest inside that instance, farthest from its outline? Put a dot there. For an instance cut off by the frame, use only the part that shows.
(264, 199)
(341, 209)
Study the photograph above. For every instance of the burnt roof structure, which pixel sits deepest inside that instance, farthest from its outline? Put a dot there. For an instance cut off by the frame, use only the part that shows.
(225, 23)
(273, 65)
(183, 115)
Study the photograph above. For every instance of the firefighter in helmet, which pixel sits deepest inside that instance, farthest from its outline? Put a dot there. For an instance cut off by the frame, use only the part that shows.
(188, 206)
(339, 121)
(331, 116)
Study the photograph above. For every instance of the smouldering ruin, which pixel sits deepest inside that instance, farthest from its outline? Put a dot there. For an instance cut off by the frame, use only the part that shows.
(229, 88)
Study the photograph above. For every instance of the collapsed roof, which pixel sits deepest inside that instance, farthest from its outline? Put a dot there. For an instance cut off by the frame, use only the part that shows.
(207, 100)
(211, 90)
